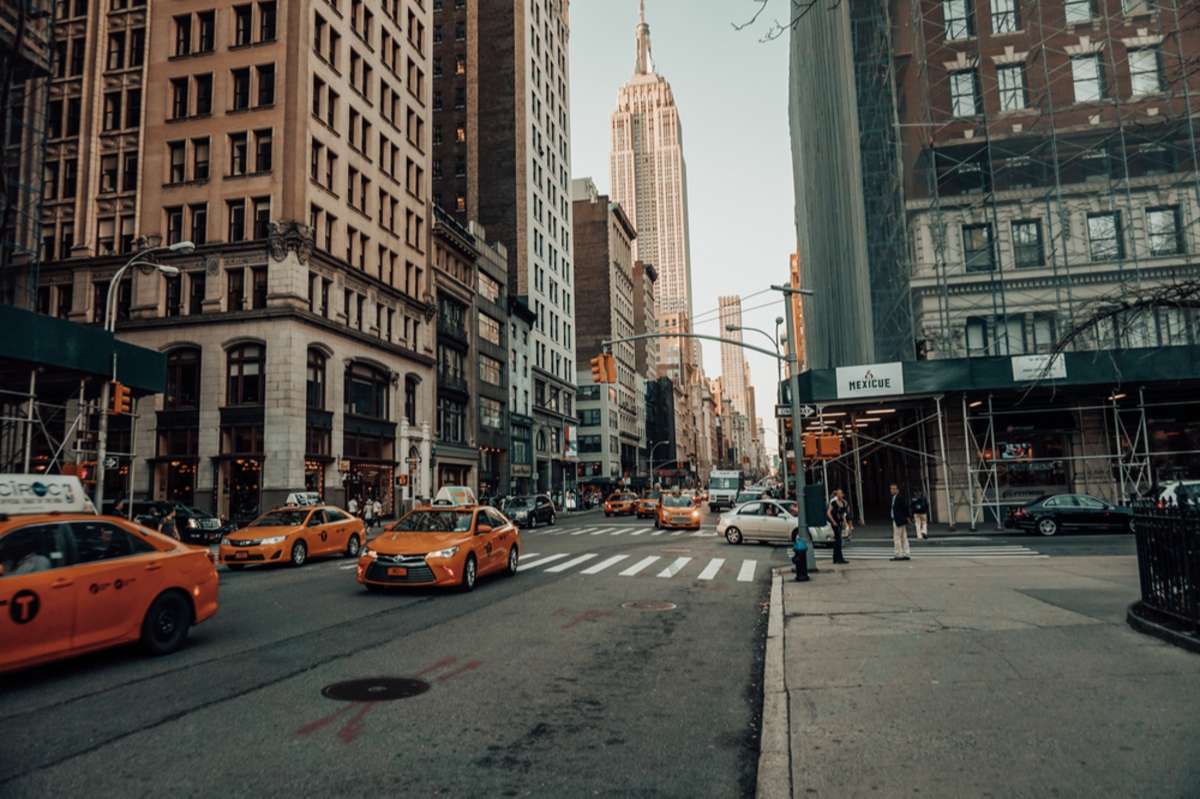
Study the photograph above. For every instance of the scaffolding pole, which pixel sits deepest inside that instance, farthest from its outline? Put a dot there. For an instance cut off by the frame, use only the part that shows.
(945, 464)
(29, 418)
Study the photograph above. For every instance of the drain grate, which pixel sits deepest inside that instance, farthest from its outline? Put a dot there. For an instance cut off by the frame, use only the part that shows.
(375, 689)
(649, 604)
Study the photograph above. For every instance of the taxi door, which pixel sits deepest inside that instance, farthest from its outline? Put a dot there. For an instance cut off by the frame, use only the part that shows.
(37, 608)
(487, 544)
(116, 575)
(341, 526)
(318, 532)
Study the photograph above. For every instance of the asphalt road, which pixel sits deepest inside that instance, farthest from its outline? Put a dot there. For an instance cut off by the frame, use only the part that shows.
(543, 684)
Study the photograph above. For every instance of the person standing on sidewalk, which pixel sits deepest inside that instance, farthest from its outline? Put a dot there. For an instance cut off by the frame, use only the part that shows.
(836, 514)
(900, 518)
(920, 515)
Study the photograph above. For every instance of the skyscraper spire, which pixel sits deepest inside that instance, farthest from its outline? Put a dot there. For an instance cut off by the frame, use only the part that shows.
(645, 61)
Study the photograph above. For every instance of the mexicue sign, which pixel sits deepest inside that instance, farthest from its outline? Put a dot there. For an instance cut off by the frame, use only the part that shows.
(871, 380)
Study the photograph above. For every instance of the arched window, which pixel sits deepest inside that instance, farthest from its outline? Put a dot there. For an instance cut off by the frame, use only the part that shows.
(246, 369)
(316, 379)
(367, 391)
(183, 379)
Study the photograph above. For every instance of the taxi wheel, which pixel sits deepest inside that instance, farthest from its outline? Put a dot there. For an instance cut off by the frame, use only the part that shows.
(166, 624)
(299, 553)
(513, 559)
(353, 546)
(733, 535)
(469, 574)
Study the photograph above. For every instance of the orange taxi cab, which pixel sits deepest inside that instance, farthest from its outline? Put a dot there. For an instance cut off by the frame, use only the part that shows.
(620, 504)
(73, 582)
(647, 506)
(293, 534)
(678, 511)
(443, 547)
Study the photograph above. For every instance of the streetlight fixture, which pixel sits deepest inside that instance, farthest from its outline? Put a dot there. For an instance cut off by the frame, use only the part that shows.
(653, 448)
(778, 363)
(178, 248)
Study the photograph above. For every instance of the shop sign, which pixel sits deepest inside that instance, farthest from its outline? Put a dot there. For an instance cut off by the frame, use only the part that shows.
(522, 470)
(872, 380)
(344, 465)
(1028, 368)
(570, 442)
(43, 493)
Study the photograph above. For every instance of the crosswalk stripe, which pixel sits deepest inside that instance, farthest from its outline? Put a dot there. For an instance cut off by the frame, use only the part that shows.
(677, 532)
(601, 531)
(620, 532)
(657, 532)
(346, 566)
(675, 567)
(639, 566)
(710, 571)
(543, 561)
(639, 532)
(572, 563)
(524, 555)
(746, 573)
(604, 564)
(582, 530)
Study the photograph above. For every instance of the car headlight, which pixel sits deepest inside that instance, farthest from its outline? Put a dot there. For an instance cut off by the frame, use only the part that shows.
(225, 541)
(275, 539)
(695, 514)
(448, 552)
(191, 523)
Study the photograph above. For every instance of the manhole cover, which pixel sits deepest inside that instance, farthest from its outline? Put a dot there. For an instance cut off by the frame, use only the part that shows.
(649, 604)
(375, 689)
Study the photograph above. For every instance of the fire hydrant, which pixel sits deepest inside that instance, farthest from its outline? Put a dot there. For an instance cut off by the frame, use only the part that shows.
(800, 557)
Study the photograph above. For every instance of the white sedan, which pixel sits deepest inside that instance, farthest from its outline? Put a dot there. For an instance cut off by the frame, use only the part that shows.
(766, 520)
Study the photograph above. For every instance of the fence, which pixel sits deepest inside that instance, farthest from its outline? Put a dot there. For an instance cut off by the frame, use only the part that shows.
(1168, 553)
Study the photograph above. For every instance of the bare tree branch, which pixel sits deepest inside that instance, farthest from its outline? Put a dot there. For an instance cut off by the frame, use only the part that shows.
(799, 9)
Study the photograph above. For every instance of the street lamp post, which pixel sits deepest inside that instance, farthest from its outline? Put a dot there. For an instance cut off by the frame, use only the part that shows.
(182, 247)
(653, 448)
(778, 364)
(797, 440)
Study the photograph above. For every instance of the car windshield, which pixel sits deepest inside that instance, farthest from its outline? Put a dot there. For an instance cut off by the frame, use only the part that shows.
(653, 495)
(520, 502)
(434, 521)
(677, 502)
(748, 496)
(723, 482)
(280, 518)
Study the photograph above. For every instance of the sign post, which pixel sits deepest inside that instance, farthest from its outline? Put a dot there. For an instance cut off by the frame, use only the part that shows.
(797, 443)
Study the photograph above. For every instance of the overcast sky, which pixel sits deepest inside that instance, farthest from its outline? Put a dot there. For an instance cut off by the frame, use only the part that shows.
(731, 91)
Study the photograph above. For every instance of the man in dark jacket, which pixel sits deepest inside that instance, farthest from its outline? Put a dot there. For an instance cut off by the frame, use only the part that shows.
(900, 518)
(920, 514)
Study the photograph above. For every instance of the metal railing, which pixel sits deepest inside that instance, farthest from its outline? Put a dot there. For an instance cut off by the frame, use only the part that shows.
(1168, 554)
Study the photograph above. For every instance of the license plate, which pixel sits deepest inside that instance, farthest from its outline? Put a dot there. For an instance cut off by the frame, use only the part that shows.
(397, 571)
(240, 555)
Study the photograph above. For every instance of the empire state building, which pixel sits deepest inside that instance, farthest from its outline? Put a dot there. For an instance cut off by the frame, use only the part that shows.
(649, 180)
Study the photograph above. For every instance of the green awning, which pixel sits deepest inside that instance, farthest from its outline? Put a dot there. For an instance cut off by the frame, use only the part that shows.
(57, 345)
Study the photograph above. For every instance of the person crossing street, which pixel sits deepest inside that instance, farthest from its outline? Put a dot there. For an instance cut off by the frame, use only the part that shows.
(920, 514)
(900, 518)
(836, 514)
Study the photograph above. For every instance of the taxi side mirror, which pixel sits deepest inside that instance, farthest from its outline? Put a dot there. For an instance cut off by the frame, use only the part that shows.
(483, 528)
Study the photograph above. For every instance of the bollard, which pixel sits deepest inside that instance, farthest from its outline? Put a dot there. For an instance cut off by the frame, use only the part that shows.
(800, 557)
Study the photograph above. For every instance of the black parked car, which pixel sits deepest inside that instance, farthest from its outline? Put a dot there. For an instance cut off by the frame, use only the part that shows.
(1070, 512)
(530, 511)
(194, 526)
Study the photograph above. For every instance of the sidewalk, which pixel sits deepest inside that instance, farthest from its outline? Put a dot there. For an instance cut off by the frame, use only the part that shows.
(955, 678)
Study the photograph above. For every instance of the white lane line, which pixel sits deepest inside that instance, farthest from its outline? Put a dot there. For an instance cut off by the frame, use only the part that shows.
(746, 573)
(604, 564)
(710, 571)
(657, 532)
(543, 561)
(640, 532)
(582, 530)
(637, 567)
(602, 530)
(675, 567)
(572, 563)
(523, 555)
(622, 531)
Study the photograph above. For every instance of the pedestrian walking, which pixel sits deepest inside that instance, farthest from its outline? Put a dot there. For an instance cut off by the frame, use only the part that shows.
(369, 512)
(836, 514)
(352, 506)
(920, 514)
(900, 519)
(378, 508)
(169, 526)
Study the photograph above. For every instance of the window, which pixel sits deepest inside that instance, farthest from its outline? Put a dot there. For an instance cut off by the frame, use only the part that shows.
(246, 365)
(129, 172)
(242, 25)
(976, 337)
(96, 541)
(1088, 78)
(589, 417)
(977, 248)
(208, 23)
(237, 289)
(137, 47)
(1163, 231)
(1028, 249)
(183, 34)
(116, 50)
(112, 111)
(1043, 333)
(238, 152)
(174, 291)
(199, 224)
(315, 387)
(1145, 72)
(262, 151)
(489, 288)
(133, 108)
(258, 296)
(491, 413)
(489, 329)
(1012, 87)
(196, 284)
(266, 21)
(262, 217)
(964, 94)
(183, 379)
(266, 84)
(203, 95)
(410, 399)
(1010, 336)
(108, 173)
(960, 18)
(590, 444)
(200, 159)
(236, 210)
(241, 89)
(490, 370)
(1104, 236)
(1005, 16)
(174, 224)
(451, 419)
(1172, 326)
(177, 159)
(367, 391)
(1078, 11)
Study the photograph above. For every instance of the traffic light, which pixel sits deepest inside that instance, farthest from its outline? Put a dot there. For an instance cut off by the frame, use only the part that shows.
(604, 368)
(598, 373)
(610, 367)
(121, 401)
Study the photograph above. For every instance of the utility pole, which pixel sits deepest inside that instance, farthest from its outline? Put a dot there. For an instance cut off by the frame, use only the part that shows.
(797, 438)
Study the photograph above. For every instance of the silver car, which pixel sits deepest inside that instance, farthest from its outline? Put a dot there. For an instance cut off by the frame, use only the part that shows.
(767, 520)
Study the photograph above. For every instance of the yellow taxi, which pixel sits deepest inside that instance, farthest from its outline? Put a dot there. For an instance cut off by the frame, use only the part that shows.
(73, 582)
(620, 503)
(678, 510)
(647, 506)
(293, 534)
(441, 546)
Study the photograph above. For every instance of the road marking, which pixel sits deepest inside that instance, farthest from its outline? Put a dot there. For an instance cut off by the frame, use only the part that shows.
(746, 573)
(348, 566)
(641, 564)
(677, 532)
(604, 564)
(675, 567)
(657, 532)
(641, 532)
(572, 563)
(523, 555)
(601, 530)
(582, 530)
(710, 571)
(545, 560)
(621, 531)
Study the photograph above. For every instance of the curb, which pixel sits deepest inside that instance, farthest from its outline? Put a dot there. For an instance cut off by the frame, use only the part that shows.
(1141, 619)
(774, 757)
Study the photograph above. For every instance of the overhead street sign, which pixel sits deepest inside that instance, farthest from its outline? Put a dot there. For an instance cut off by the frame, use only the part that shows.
(807, 411)
(783, 411)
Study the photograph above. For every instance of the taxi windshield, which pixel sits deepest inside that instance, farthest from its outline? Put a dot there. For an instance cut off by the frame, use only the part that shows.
(281, 518)
(677, 502)
(653, 495)
(435, 521)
